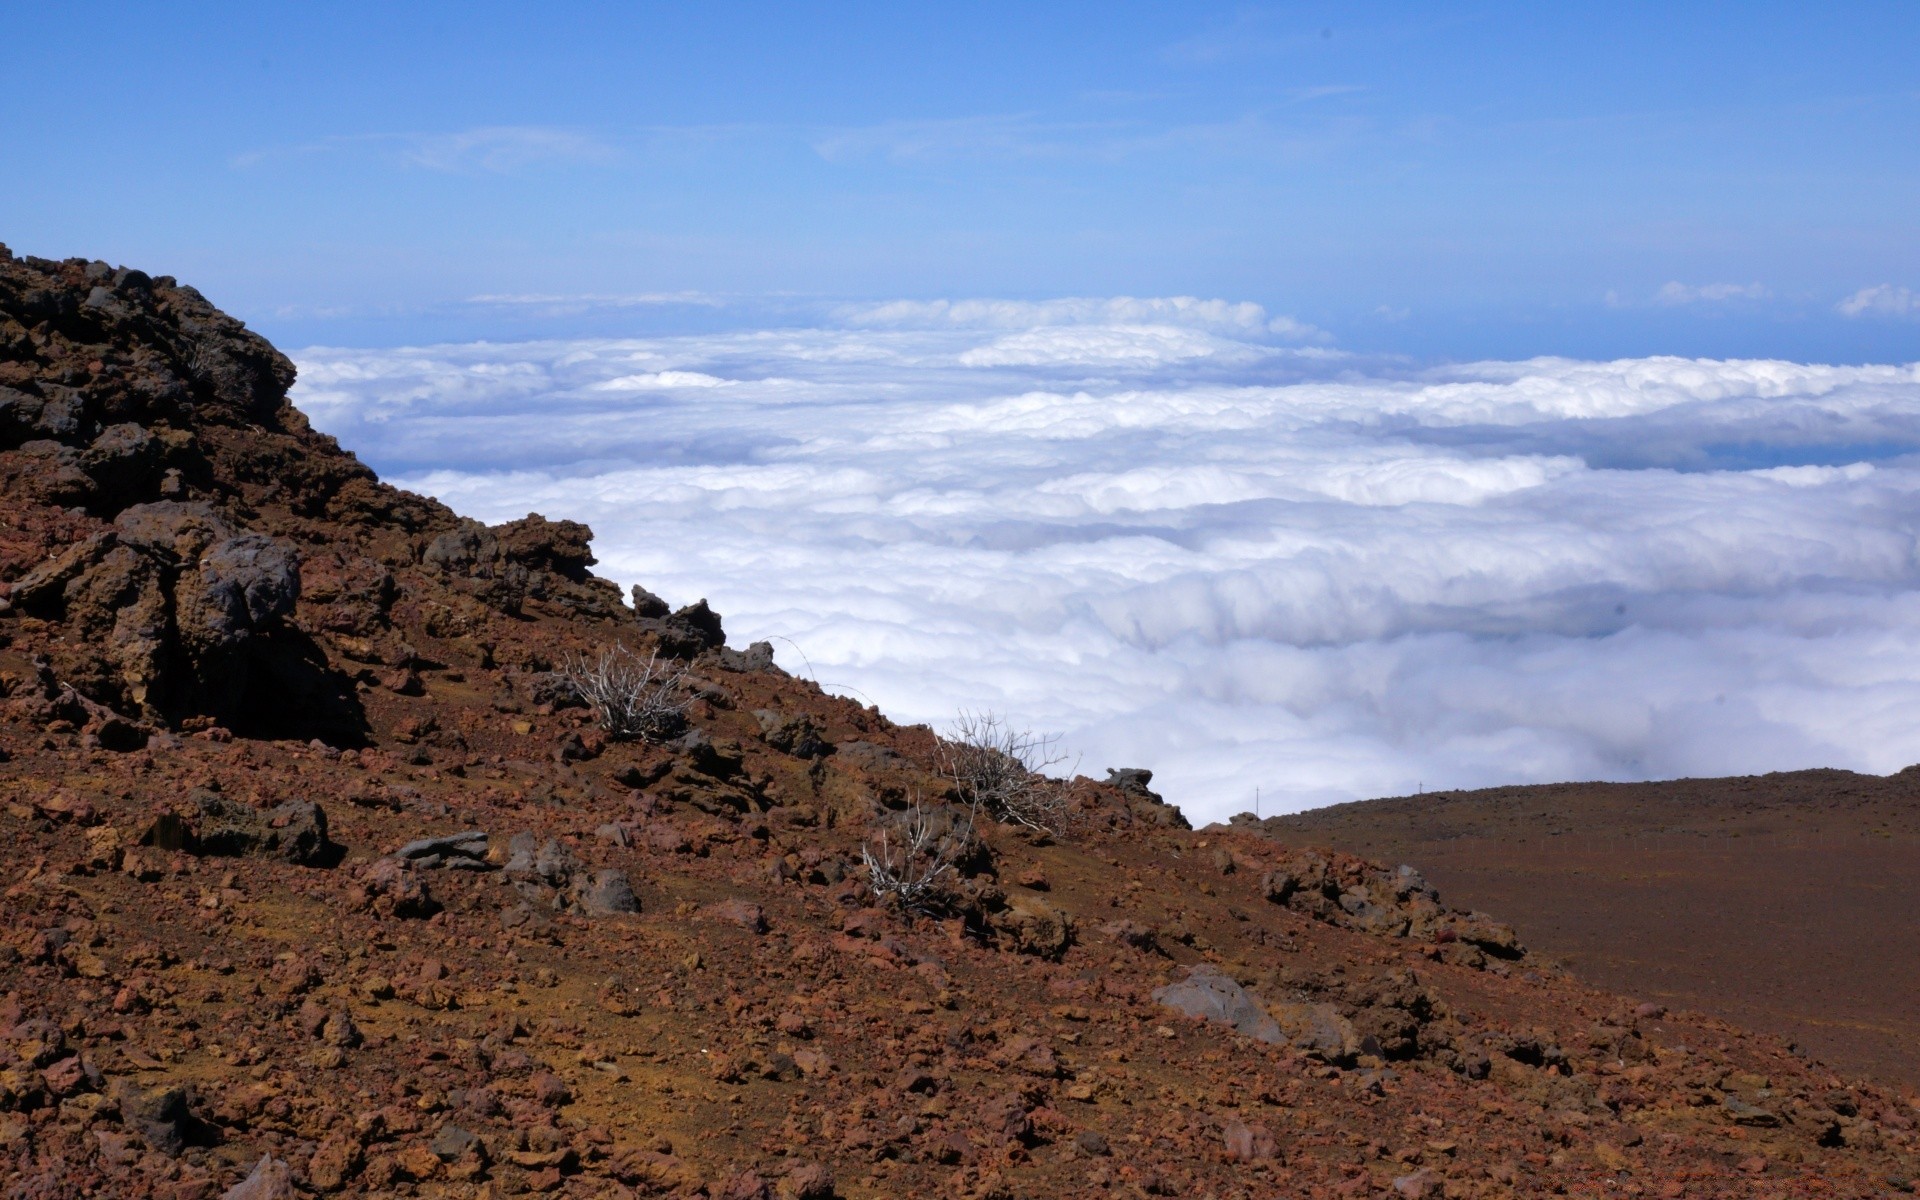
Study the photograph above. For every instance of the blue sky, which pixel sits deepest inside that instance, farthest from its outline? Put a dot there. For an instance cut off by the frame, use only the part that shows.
(1438, 181)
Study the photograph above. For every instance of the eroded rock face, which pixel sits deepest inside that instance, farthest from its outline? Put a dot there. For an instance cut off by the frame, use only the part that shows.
(175, 597)
(504, 566)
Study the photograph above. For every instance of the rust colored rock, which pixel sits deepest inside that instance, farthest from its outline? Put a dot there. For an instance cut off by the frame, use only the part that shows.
(806, 1181)
(338, 1159)
(549, 1089)
(1249, 1143)
(736, 911)
(393, 888)
(1035, 926)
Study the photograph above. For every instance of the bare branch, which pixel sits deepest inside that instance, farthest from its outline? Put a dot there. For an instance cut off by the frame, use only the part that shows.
(1000, 769)
(632, 697)
(914, 858)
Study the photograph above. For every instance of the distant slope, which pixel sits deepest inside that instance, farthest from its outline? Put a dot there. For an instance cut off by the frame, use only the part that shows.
(1787, 902)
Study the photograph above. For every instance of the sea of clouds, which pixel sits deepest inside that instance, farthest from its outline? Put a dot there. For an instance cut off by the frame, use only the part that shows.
(1195, 537)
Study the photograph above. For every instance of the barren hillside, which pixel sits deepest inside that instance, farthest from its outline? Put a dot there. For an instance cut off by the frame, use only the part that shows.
(320, 878)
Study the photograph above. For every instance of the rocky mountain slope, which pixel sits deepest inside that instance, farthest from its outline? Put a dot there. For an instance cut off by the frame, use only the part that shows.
(1788, 903)
(320, 879)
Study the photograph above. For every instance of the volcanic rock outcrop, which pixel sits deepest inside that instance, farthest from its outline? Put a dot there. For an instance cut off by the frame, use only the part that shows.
(320, 878)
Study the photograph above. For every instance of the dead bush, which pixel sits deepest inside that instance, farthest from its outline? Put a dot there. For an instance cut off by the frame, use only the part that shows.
(632, 697)
(918, 852)
(1000, 770)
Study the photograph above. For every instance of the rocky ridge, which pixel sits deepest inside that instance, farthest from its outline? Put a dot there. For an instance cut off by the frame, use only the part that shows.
(319, 880)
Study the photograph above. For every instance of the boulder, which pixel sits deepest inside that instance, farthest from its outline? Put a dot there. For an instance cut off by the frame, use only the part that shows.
(806, 1181)
(212, 824)
(173, 599)
(609, 893)
(1034, 926)
(1209, 994)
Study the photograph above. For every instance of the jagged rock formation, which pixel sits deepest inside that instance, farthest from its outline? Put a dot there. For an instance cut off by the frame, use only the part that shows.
(320, 880)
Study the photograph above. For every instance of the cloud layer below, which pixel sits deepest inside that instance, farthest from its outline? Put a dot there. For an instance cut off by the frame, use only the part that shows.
(1187, 536)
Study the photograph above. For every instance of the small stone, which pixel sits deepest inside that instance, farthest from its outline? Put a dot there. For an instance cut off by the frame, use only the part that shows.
(339, 1030)
(1249, 1143)
(271, 1180)
(807, 1181)
(453, 1143)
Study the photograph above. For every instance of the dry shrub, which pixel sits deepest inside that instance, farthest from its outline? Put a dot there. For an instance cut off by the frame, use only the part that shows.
(918, 852)
(632, 697)
(999, 770)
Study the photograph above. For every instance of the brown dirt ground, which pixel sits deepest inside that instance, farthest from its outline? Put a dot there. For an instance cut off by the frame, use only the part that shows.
(1786, 902)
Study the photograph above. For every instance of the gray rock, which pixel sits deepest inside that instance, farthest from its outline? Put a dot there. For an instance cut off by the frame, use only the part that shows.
(1209, 994)
(463, 548)
(454, 1143)
(609, 893)
(471, 844)
(707, 758)
(1753, 1115)
(160, 1116)
(757, 657)
(297, 832)
(271, 1180)
(521, 849)
(213, 824)
(555, 863)
(646, 604)
(246, 582)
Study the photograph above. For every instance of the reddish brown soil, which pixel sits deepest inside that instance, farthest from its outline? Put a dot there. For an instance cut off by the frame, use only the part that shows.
(216, 958)
(1788, 902)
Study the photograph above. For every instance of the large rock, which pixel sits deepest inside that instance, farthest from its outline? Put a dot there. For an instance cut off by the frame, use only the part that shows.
(1033, 926)
(173, 598)
(210, 823)
(532, 558)
(1208, 994)
(609, 893)
(159, 1116)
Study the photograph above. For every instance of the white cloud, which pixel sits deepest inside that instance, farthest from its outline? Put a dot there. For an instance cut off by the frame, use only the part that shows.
(504, 148)
(1222, 316)
(1677, 293)
(1881, 300)
(1334, 587)
(649, 380)
(494, 149)
(560, 303)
